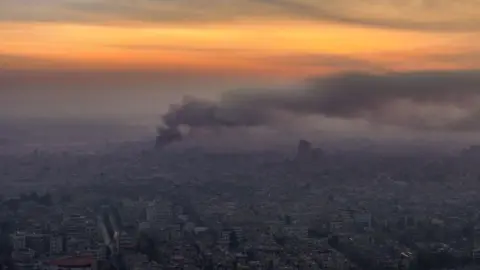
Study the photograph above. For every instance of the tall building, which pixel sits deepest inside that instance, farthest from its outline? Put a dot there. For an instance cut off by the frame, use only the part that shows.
(159, 213)
(126, 242)
(304, 150)
(19, 241)
(74, 225)
(363, 219)
(57, 244)
(476, 243)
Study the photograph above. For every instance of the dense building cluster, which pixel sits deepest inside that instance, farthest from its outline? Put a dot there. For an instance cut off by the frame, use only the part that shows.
(143, 209)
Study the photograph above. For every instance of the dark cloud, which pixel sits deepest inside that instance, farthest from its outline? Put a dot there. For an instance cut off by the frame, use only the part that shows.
(201, 113)
(348, 95)
(448, 101)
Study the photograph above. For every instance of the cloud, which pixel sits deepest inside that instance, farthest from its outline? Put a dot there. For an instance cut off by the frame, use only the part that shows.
(437, 15)
(337, 62)
(330, 61)
(448, 101)
(467, 58)
(13, 62)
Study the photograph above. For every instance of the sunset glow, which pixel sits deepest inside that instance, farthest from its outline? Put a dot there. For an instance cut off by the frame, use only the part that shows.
(272, 47)
(149, 53)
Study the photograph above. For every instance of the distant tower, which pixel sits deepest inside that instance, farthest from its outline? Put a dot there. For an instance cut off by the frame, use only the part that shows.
(476, 243)
(304, 150)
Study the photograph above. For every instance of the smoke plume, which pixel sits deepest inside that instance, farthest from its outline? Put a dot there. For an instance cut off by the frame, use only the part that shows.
(444, 101)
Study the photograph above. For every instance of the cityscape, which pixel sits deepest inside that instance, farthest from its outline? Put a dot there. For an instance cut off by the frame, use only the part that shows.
(239, 134)
(141, 208)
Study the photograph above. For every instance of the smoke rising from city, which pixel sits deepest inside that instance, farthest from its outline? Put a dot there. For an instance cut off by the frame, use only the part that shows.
(443, 101)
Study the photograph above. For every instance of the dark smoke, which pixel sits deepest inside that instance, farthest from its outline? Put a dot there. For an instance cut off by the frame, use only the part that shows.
(200, 113)
(196, 113)
(448, 101)
(167, 136)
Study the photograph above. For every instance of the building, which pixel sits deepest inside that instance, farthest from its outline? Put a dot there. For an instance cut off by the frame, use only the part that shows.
(304, 150)
(476, 243)
(126, 242)
(224, 239)
(239, 232)
(300, 232)
(25, 265)
(363, 219)
(19, 241)
(74, 225)
(57, 244)
(158, 213)
(38, 242)
(24, 259)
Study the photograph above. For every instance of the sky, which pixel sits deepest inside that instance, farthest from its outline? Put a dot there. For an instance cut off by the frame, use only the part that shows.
(254, 37)
(112, 57)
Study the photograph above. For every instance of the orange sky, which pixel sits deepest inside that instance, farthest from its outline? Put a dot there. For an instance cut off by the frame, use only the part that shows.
(273, 47)
(284, 44)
